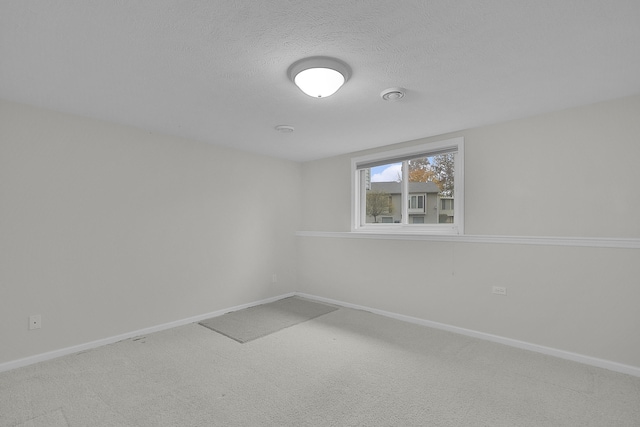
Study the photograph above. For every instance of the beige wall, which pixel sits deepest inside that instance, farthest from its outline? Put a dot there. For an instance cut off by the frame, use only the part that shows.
(549, 174)
(106, 229)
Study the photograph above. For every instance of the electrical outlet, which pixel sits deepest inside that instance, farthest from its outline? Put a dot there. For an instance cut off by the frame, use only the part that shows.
(35, 321)
(274, 278)
(499, 290)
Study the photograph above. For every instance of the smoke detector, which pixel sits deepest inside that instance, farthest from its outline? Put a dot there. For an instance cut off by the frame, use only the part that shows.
(284, 128)
(392, 94)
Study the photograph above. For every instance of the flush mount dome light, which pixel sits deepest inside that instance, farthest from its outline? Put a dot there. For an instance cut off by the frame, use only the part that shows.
(319, 76)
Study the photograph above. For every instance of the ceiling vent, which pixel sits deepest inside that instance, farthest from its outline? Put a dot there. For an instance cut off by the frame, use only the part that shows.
(392, 94)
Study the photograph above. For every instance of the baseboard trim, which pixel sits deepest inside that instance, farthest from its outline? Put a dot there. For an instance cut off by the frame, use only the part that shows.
(30, 360)
(587, 360)
(575, 357)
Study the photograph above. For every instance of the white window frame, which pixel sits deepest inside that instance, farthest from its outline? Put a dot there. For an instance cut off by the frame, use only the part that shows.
(421, 210)
(358, 224)
(447, 199)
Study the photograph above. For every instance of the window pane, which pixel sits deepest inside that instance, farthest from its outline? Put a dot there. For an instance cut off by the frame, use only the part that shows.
(447, 204)
(410, 185)
(442, 166)
(433, 175)
(383, 190)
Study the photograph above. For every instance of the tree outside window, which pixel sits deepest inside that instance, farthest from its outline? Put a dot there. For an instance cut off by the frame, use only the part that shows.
(378, 203)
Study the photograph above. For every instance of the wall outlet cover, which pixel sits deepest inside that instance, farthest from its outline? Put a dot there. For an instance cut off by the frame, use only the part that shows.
(35, 321)
(499, 290)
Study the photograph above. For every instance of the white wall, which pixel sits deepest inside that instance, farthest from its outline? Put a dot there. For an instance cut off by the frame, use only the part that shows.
(573, 173)
(106, 229)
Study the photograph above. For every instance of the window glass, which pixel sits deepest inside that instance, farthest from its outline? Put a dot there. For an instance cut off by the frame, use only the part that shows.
(382, 193)
(410, 188)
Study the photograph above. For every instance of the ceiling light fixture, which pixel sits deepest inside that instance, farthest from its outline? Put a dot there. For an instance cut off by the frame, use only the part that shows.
(319, 76)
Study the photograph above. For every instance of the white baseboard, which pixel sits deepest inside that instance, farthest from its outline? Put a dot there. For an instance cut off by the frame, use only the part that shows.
(30, 360)
(587, 360)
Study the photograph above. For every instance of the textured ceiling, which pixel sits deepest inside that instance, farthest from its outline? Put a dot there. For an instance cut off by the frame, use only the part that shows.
(215, 71)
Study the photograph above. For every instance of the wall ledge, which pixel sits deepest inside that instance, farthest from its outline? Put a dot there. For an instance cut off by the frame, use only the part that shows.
(591, 242)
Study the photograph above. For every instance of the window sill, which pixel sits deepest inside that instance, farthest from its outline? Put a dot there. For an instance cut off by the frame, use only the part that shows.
(594, 242)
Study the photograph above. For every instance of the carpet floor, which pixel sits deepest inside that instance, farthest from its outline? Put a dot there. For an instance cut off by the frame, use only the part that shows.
(344, 368)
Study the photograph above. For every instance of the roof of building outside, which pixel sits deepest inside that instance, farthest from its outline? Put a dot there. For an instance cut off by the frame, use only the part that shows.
(393, 187)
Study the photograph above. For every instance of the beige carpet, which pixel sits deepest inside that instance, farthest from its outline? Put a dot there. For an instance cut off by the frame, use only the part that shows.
(344, 368)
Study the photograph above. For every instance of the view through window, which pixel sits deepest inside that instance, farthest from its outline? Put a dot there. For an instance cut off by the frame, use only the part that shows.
(430, 191)
(409, 189)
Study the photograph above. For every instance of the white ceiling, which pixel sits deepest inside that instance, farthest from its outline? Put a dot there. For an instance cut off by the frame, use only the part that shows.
(215, 71)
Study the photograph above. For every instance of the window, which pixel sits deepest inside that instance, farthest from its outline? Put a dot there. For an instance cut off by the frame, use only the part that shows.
(416, 203)
(417, 189)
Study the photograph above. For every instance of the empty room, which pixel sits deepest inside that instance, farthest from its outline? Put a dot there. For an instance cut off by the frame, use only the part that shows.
(297, 213)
